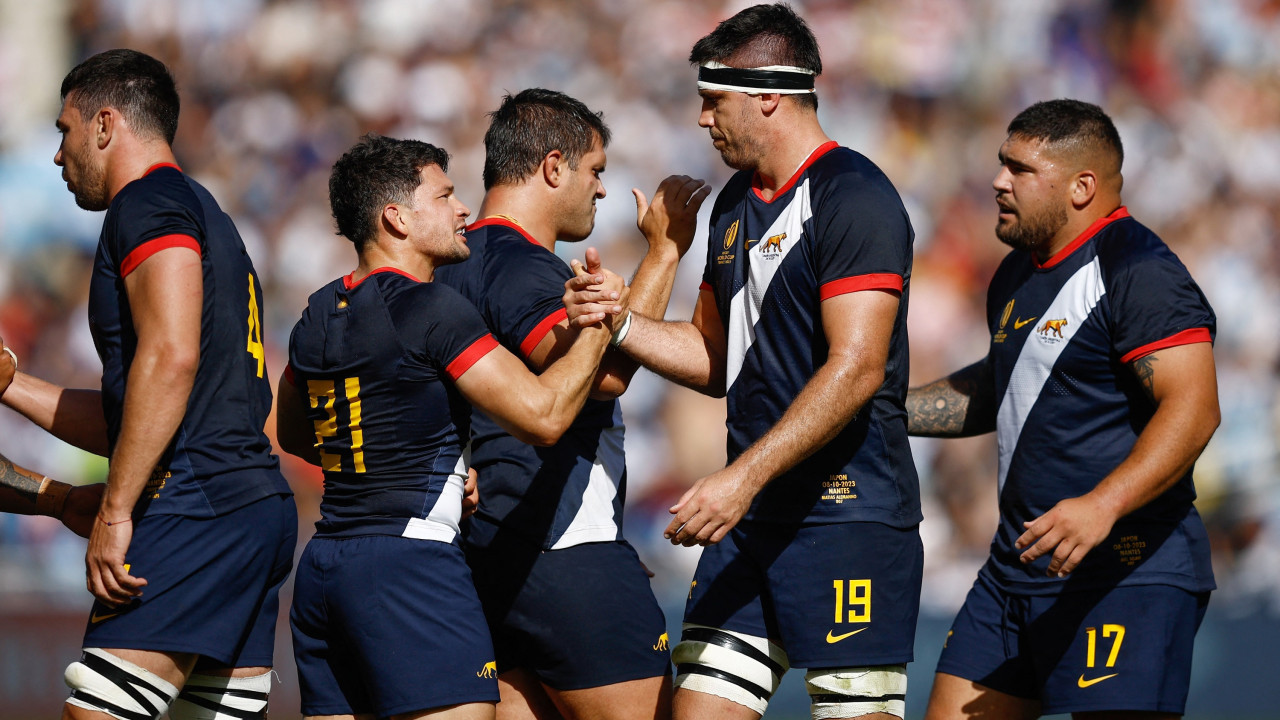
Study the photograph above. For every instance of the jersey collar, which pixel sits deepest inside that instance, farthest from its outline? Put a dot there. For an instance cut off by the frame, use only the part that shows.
(818, 152)
(348, 282)
(157, 166)
(1084, 237)
(504, 222)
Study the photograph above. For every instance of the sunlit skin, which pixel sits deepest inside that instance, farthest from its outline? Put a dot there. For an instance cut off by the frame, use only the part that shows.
(431, 227)
(727, 117)
(584, 187)
(1033, 194)
(81, 170)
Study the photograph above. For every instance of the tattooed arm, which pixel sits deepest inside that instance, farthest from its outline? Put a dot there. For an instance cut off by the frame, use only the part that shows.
(1181, 381)
(25, 493)
(962, 404)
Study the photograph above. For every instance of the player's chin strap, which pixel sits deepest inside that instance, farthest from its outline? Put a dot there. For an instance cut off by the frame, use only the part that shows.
(210, 697)
(104, 683)
(780, 79)
(850, 692)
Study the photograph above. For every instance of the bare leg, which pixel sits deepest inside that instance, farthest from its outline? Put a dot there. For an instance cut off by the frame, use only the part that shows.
(694, 705)
(1124, 715)
(465, 711)
(644, 699)
(523, 698)
(954, 698)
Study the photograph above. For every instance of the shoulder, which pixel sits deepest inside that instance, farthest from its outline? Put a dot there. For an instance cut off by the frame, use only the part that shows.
(160, 189)
(1127, 245)
(850, 173)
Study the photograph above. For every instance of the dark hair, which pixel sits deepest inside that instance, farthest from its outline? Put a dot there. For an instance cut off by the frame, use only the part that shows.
(527, 126)
(136, 84)
(375, 172)
(1070, 122)
(763, 35)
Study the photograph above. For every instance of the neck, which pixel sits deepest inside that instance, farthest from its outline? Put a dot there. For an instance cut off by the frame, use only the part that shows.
(131, 159)
(384, 251)
(521, 204)
(1077, 224)
(788, 145)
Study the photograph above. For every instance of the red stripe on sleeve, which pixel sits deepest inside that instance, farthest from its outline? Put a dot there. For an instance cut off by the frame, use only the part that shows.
(151, 247)
(706, 286)
(535, 336)
(857, 283)
(471, 356)
(288, 375)
(1186, 337)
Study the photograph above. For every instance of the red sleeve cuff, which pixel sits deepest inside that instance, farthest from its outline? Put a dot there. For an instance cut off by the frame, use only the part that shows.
(535, 336)
(471, 356)
(857, 283)
(288, 375)
(706, 286)
(151, 247)
(1186, 337)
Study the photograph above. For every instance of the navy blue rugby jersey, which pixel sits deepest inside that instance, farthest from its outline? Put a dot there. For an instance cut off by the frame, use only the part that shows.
(837, 226)
(1063, 335)
(377, 360)
(219, 459)
(559, 496)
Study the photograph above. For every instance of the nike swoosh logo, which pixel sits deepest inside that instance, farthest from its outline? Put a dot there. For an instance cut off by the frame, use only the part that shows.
(1020, 323)
(837, 638)
(1086, 683)
(96, 618)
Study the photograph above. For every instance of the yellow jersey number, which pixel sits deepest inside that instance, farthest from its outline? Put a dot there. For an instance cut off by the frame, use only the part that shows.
(254, 345)
(323, 395)
(853, 601)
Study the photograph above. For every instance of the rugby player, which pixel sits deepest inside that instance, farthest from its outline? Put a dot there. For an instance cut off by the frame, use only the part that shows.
(813, 556)
(575, 624)
(197, 526)
(382, 366)
(1100, 386)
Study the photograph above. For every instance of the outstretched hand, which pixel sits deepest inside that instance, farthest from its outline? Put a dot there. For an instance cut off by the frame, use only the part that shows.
(595, 294)
(671, 220)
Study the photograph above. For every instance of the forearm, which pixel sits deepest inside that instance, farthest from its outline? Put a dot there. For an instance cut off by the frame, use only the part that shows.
(650, 292)
(560, 391)
(73, 416)
(158, 388)
(959, 405)
(678, 351)
(828, 402)
(26, 493)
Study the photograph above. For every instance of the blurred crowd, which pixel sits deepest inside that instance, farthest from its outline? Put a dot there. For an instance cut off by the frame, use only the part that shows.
(274, 90)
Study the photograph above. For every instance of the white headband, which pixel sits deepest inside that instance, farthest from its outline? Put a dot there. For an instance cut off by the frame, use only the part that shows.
(780, 79)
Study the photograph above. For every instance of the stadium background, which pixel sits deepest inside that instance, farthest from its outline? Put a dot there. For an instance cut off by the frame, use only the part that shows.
(274, 91)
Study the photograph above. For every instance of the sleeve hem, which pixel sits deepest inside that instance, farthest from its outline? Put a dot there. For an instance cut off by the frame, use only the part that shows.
(471, 356)
(153, 246)
(1186, 337)
(858, 283)
(535, 336)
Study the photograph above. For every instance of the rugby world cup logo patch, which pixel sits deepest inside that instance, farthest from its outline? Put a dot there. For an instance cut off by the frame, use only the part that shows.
(731, 234)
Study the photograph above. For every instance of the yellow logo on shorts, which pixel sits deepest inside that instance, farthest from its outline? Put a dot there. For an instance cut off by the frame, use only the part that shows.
(1086, 683)
(489, 670)
(662, 642)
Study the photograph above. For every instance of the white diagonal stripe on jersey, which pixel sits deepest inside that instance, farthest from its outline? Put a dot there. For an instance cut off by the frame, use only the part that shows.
(744, 310)
(1074, 302)
(441, 524)
(594, 521)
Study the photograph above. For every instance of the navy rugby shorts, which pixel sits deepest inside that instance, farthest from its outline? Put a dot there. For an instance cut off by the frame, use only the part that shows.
(1120, 648)
(384, 624)
(579, 617)
(213, 585)
(832, 596)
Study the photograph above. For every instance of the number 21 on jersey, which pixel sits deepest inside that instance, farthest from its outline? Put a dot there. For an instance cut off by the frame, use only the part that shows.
(336, 441)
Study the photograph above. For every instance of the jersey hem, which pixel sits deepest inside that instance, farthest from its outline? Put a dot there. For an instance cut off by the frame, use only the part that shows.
(1189, 336)
(471, 356)
(857, 283)
(534, 338)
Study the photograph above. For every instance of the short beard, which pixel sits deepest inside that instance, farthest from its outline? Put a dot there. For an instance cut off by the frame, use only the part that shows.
(91, 188)
(1033, 232)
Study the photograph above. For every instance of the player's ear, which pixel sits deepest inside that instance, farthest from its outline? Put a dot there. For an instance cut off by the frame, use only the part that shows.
(394, 220)
(768, 102)
(103, 126)
(552, 168)
(1084, 186)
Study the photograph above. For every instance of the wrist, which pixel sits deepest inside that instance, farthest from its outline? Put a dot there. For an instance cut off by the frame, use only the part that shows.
(621, 333)
(52, 497)
(119, 520)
